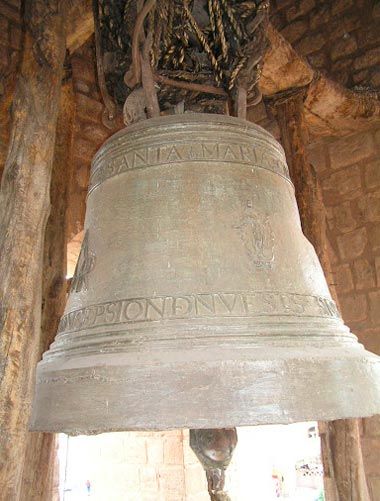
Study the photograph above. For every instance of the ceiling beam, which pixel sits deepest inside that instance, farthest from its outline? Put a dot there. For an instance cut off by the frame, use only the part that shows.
(330, 108)
(80, 24)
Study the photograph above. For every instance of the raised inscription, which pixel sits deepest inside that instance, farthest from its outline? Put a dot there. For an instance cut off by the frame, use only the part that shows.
(220, 304)
(154, 155)
(258, 238)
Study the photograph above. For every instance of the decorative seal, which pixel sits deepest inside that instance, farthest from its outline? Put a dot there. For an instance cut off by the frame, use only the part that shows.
(258, 238)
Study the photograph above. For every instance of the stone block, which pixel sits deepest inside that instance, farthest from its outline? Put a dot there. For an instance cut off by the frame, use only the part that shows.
(345, 23)
(303, 7)
(10, 12)
(171, 480)
(377, 266)
(4, 59)
(149, 479)
(360, 76)
(370, 339)
(83, 69)
(320, 16)
(89, 109)
(343, 278)
(316, 154)
(369, 207)
(15, 36)
(82, 173)
(377, 137)
(277, 19)
(188, 455)
(374, 307)
(343, 185)
(257, 113)
(350, 150)
(82, 87)
(354, 308)
(173, 451)
(343, 217)
(294, 31)
(376, 14)
(84, 149)
(343, 47)
(375, 78)
(4, 30)
(155, 450)
(15, 3)
(195, 479)
(342, 76)
(201, 496)
(309, 44)
(318, 59)
(368, 36)
(95, 133)
(135, 449)
(332, 250)
(364, 274)
(114, 479)
(369, 58)
(340, 5)
(351, 245)
(374, 237)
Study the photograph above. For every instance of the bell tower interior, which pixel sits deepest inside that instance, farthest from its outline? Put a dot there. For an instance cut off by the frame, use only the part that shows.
(189, 250)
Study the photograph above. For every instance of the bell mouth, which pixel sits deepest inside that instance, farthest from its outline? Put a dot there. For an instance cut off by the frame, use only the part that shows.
(217, 387)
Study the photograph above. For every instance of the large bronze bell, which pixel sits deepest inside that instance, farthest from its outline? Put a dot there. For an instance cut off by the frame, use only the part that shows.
(197, 302)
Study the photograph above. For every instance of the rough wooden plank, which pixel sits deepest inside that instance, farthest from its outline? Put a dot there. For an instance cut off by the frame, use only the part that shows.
(341, 448)
(330, 109)
(41, 468)
(283, 68)
(79, 24)
(24, 209)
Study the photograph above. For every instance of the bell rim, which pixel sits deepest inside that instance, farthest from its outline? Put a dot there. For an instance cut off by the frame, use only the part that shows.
(308, 385)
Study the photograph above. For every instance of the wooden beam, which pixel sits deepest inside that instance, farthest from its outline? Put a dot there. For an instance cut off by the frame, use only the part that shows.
(329, 109)
(24, 209)
(340, 439)
(79, 24)
(283, 68)
(41, 468)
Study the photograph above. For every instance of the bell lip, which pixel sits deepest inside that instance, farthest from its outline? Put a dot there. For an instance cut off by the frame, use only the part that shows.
(323, 385)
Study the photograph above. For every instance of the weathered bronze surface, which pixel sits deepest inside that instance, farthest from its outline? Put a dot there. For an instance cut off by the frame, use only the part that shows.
(197, 301)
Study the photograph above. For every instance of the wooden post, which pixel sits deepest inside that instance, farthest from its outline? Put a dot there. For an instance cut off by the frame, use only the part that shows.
(40, 469)
(340, 440)
(24, 209)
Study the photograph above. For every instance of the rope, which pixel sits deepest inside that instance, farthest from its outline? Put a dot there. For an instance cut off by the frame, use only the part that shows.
(221, 46)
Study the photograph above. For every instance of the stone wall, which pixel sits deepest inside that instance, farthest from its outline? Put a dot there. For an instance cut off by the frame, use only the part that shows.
(338, 37)
(140, 466)
(349, 171)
